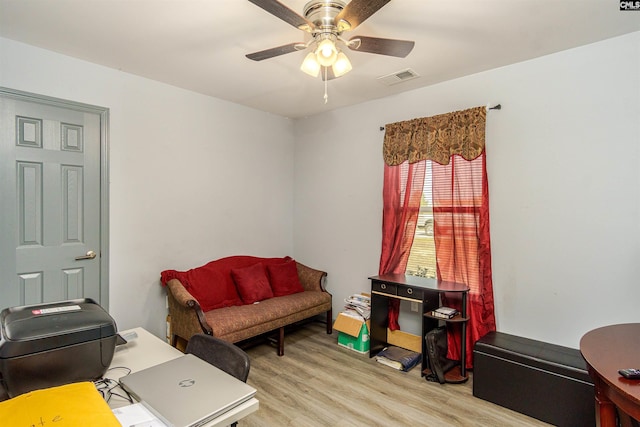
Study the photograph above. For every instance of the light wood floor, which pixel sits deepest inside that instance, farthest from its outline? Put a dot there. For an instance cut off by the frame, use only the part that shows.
(318, 383)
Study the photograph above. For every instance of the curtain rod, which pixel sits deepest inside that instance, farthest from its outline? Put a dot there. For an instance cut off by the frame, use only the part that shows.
(495, 107)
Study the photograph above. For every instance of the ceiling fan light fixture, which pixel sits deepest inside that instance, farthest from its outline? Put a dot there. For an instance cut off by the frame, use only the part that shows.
(326, 53)
(310, 65)
(342, 65)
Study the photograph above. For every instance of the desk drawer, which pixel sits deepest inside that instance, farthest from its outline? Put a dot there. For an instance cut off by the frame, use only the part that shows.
(410, 292)
(385, 288)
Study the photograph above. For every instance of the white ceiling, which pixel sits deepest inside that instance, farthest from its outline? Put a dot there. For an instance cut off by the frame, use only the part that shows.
(201, 44)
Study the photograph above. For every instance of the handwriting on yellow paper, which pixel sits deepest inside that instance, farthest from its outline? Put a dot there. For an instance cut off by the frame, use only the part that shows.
(42, 422)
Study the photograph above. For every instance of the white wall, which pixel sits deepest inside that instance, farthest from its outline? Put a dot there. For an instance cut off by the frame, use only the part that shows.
(564, 179)
(193, 178)
(563, 160)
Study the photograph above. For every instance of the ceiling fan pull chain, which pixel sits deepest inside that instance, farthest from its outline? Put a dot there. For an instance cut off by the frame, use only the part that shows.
(326, 97)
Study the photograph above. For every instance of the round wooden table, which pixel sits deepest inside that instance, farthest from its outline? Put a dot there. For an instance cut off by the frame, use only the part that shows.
(606, 350)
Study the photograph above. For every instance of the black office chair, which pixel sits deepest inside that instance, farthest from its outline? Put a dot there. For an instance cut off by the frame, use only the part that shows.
(221, 354)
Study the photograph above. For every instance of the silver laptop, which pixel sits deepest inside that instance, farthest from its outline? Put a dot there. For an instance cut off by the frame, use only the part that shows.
(186, 391)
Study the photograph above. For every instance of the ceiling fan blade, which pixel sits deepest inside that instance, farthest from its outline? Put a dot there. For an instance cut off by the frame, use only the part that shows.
(390, 47)
(356, 12)
(281, 11)
(274, 51)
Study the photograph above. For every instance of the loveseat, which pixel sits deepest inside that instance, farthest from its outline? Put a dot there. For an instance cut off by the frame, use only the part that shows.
(241, 297)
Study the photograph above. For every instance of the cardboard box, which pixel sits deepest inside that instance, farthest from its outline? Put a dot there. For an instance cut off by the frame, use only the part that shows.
(353, 333)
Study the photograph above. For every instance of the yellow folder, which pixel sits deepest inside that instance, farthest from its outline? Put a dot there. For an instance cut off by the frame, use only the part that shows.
(71, 405)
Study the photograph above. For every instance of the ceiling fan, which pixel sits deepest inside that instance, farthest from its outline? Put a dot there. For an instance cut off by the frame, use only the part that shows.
(325, 21)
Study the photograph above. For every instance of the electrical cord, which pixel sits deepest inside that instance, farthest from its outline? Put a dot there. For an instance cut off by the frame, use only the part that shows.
(109, 387)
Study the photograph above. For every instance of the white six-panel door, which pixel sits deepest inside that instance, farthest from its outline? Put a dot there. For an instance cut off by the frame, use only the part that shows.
(50, 195)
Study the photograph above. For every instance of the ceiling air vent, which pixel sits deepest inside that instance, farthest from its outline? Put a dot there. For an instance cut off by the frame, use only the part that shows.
(398, 77)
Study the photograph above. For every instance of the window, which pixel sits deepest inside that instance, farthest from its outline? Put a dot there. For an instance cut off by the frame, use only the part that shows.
(422, 256)
(452, 201)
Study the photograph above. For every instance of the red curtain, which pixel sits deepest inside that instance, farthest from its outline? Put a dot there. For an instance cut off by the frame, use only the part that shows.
(463, 250)
(401, 196)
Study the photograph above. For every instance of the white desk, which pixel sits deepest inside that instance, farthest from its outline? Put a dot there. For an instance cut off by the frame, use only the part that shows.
(148, 350)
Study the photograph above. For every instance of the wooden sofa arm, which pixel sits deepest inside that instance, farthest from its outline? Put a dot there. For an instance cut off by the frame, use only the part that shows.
(310, 278)
(187, 318)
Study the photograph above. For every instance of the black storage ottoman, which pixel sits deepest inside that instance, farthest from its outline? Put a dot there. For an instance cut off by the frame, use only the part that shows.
(541, 380)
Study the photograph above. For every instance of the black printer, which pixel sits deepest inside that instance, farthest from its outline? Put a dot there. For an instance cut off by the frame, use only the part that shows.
(52, 344)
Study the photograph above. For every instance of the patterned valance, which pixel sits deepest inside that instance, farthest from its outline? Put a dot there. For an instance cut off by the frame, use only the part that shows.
(436, 138)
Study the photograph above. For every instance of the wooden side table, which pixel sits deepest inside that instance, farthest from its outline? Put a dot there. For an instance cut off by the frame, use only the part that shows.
(606, 350)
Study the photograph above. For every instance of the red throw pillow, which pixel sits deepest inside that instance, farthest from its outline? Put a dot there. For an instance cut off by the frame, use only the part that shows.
(252, 283)
(284, 278)
(209, 285)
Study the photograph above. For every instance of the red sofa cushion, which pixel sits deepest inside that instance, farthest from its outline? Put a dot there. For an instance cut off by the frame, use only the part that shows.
(252, 283)
(284, 278)
(211, 284)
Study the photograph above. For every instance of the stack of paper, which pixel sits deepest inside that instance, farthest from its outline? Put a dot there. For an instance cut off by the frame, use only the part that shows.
(137, 415)
(360, 304)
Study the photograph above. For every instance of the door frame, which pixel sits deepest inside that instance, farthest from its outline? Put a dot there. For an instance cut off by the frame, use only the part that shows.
(103, 113)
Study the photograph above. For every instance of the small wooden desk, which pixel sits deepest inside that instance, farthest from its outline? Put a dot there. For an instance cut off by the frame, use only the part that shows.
(606, 350)
(148, 350)
(426, 293)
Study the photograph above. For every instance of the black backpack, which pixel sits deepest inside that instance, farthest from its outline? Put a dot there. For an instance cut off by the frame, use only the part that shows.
(436, 340)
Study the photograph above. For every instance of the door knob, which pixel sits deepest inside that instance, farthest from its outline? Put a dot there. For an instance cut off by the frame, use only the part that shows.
(89, 255)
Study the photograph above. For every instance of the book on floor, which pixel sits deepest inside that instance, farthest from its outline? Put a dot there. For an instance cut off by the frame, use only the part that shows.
(398, 358)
